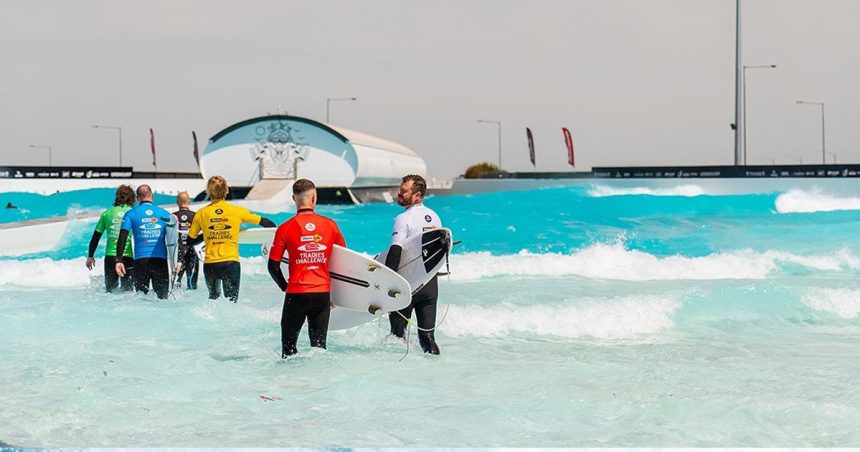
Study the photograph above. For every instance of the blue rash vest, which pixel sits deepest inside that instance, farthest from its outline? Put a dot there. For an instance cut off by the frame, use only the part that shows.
(147, 223)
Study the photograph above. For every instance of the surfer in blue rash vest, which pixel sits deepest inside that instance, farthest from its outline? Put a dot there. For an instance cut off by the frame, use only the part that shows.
(415, 220)
(148, 224)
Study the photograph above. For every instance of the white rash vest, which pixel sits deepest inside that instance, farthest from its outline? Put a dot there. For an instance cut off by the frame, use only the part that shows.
(414, 221)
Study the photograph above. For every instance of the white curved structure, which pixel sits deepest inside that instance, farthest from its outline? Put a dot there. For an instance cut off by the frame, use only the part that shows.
(290, 147)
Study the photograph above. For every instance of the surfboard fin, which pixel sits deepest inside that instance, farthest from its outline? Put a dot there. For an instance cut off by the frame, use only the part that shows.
(373, 309)
(393, 293)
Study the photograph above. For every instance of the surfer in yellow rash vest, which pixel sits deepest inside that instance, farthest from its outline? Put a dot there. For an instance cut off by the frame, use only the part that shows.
(218, 226)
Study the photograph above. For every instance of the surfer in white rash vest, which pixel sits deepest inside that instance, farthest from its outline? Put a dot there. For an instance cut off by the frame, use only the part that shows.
(414, 221)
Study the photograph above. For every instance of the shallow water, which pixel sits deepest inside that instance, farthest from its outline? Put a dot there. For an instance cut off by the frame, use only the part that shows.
(577, 317)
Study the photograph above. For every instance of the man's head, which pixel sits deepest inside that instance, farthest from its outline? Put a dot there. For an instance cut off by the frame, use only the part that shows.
(144, 193)
(217, 188)
(183, 200)
(412, 190)
(124, 196)
(305, 194)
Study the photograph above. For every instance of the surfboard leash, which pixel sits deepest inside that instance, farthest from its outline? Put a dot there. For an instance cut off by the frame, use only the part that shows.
(408, 322)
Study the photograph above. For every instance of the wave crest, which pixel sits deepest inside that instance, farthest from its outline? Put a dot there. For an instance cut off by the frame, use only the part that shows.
(800, 201)
(605, 261)
(612, 318)
(844, 303)
(601, 191)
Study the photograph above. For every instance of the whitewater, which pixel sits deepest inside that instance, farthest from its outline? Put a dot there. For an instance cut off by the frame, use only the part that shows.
(583, 316)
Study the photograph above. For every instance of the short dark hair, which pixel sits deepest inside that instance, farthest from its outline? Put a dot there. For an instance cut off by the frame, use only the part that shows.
(124, 196)
(302, 185)
(419, 185)
(143, 191)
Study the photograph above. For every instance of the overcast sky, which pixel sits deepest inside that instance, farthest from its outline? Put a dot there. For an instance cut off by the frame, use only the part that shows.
(638, 82)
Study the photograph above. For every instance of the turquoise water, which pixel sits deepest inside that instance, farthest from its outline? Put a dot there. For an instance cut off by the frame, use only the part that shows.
(32, 205)
(577, 317)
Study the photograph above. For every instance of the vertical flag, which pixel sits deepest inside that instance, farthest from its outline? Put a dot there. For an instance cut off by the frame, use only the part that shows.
(531, 146)
(152, 145)
(568, 141)
(196, 153)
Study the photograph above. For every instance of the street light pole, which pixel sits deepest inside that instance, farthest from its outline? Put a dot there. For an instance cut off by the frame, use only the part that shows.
(50, 152)
(738, 76)
(118, 129)
(744, 86)
(328, 102)
(823, 145)
(499, 124)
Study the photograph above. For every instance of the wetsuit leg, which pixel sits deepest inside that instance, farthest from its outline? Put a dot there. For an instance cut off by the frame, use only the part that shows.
(160, 276)
(111, 278)
(398, 322)
(292, 318)
(141, 275)
(231, 275)
(213, 281)
(425, 309)
(127, 281)
(318, 317)
(192, 271)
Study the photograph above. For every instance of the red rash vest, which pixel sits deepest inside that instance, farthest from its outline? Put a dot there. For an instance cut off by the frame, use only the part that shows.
(307, 239)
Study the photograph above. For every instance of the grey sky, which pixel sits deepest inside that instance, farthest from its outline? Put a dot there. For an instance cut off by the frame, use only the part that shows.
(636, 81)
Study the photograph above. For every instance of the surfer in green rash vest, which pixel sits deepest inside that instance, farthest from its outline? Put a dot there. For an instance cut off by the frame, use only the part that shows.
(110, 221)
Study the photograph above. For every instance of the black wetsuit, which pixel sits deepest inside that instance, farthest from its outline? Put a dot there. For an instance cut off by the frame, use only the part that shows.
(112, 280)
(424, 305)
(227, 274)
(316, 307)
(154, 270)
(189, 260)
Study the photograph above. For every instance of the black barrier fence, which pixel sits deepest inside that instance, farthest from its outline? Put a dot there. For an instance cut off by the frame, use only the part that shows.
(692, 172)
(87, 172)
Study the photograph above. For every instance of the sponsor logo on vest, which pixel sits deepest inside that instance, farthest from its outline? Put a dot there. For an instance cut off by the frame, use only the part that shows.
(310, 227)
(313, 246)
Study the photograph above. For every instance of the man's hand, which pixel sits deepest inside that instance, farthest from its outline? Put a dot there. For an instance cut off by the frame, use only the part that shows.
(120, 269)
(91, 262)
(177, 268)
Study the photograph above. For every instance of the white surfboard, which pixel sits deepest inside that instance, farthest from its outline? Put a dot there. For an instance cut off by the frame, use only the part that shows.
(250, 236)
(171, 239)
(359, 283)
(200, 251)
(423, 256)
(256, 236)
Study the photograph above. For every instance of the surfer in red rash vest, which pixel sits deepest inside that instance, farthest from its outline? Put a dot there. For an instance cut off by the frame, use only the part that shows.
(307, 239)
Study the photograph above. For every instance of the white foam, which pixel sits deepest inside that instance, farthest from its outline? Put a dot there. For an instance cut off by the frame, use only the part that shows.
(613, 261)
(600, 261)
(600, 191)
(48, 273)
(800, 201)
(607, 318)
(845, 303)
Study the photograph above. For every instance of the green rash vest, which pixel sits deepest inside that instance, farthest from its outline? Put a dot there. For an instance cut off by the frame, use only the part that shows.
(110, 221)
